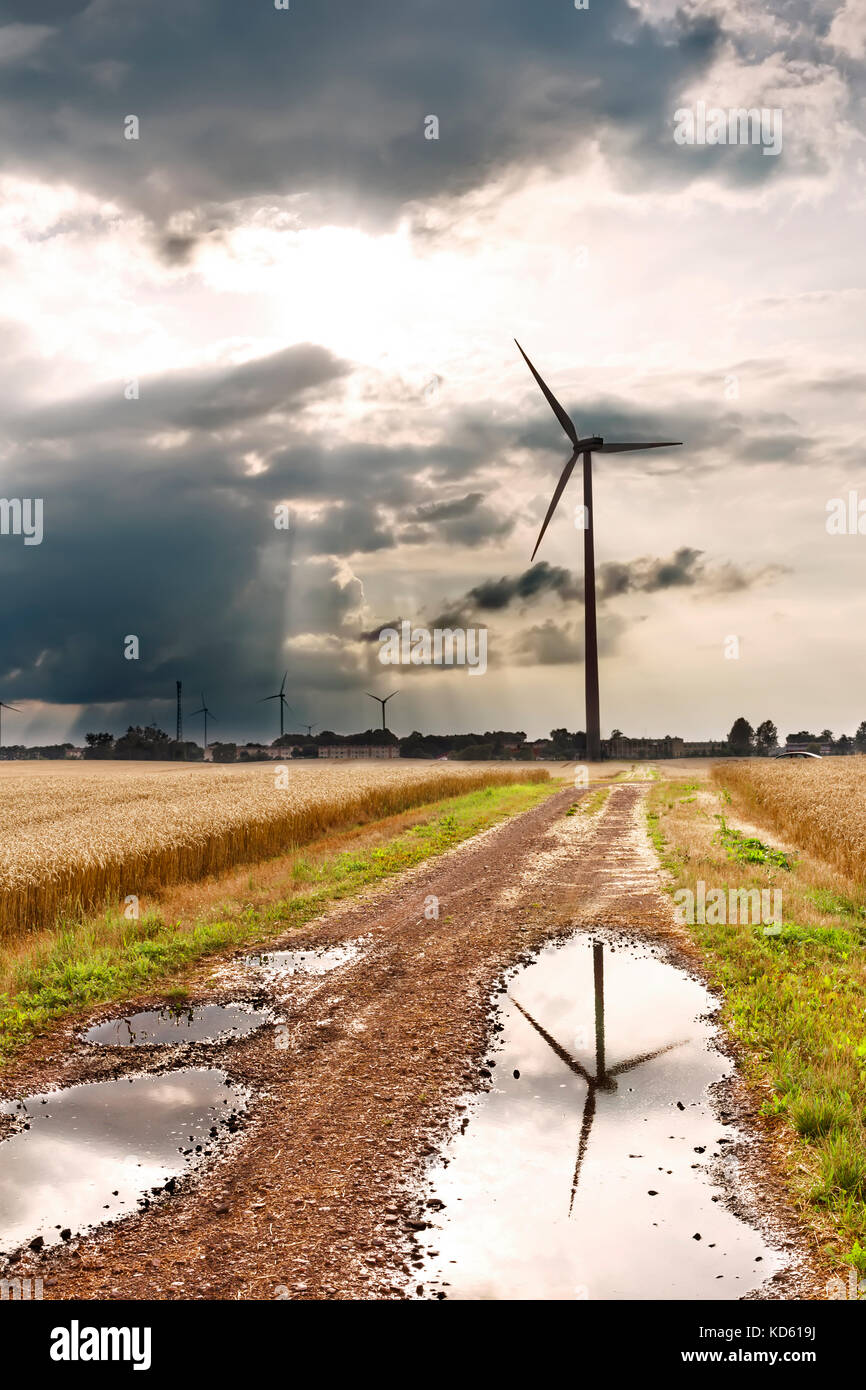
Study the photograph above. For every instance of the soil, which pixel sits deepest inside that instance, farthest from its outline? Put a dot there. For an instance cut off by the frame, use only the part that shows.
(319, 1195)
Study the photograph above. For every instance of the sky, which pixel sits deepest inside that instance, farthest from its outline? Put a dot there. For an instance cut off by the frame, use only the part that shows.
(285, 299)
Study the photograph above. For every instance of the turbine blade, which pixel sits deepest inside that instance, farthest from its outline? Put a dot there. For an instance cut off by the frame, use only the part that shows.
(560, 487)
(585, 1127)
(626, 448)
(285, 678)
(560, 1051)
(644, 1057)
(267, 697)
(563, 418)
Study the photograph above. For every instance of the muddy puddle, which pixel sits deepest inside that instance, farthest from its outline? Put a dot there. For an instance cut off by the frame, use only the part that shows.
(591, 1169)
(93, 1152)
(169, 1026)
(321, 962)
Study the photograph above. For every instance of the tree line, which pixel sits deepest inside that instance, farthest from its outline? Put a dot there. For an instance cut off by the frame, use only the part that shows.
(743, 739)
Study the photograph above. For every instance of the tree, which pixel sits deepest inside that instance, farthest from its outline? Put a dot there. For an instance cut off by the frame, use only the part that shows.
(479, 752)
(742, 735)
(99, 746)
(224, 752)
(766, 736)
(860, 738)
(137, 742)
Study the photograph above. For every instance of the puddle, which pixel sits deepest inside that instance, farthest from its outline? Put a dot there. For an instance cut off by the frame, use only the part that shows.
(167, 1026)
(582, 1172)
(306, 962)
(92, 1151)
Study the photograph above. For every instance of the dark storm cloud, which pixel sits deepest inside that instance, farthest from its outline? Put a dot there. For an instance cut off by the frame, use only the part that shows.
(683, 570)
(686, 568)
(560, 644)
(461, 521)
(157, 525)
(707, 428)
(331, 98)
(203, 399)
(159, 522)
(177, 250)
(538, 579)
(445, 511)
(549, 644)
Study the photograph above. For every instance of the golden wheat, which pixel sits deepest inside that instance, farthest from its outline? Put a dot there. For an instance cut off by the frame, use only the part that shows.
(73, 842)
(820, 806)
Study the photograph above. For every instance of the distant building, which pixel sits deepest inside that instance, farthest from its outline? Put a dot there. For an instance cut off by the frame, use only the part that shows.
(542, 748)
(359, 750)
(642, 747)
(700, 749)
(825, 749)
(258, 750)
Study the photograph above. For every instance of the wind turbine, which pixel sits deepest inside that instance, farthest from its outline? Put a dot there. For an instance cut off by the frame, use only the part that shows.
(14, 709)
(309, 728)
(383, 703)
(593, 444)
(207, 715)
(281, 696)
(604, 1079)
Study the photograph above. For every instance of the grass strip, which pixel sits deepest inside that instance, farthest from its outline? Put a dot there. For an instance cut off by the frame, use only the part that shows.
(793, 1001)
(106, 958)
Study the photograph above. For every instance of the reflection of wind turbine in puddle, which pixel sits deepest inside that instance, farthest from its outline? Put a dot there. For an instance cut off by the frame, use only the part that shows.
(604, 1076)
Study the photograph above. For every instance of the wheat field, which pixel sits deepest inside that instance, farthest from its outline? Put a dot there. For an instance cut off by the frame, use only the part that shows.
(820, 806)
(88, 835)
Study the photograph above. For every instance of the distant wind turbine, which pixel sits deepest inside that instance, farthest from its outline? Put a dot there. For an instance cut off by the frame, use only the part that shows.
(309, 728)
(207, 715)
(383, 703)
(14, 709)
(593, 444)
(281, 696)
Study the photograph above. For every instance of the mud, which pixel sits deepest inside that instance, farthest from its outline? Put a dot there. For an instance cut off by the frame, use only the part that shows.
(321, 1195)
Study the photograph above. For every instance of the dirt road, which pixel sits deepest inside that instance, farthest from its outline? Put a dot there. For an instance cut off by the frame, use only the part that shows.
(317, 1197)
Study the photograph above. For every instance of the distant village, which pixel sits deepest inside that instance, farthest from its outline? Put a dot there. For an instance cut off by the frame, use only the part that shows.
(153, 744)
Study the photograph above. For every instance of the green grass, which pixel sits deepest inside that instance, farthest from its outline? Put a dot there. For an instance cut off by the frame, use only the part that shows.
(748, 849)
(794, 1002)
(108, 958)
(590, 804)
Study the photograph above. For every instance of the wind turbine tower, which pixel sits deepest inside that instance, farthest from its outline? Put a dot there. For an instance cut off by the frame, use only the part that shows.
(14, 709)
(592, 444)
(207, 715)
(281, 696)
(383, 703)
